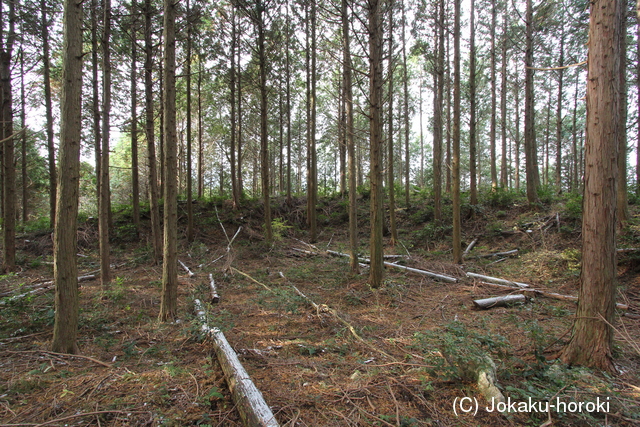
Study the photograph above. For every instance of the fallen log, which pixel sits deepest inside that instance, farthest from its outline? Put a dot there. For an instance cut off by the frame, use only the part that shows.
(41, 288)
(189, 272)
(502, 301)
(497, 280)
(402, 267)
(499, 254)
(470, 247)
(553, 295)
(215, 298)
(252, 407)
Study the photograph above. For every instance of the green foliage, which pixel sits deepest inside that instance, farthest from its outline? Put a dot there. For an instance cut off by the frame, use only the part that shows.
(500, 198)
(572, 210)
(461, 348)
(39, 224)
(433, 231)
(281, 299)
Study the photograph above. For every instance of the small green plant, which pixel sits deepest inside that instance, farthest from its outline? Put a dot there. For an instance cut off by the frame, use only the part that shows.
(457, 352)
(279, 228)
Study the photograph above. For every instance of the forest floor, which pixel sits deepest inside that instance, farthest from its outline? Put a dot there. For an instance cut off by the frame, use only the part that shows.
(310, 368)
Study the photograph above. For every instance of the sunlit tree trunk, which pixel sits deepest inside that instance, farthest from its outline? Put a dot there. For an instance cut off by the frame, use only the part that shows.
(592, 334)
(169, 301)
(65, 268)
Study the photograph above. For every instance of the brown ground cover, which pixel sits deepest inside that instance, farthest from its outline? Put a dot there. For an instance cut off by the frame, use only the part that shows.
(417, 333)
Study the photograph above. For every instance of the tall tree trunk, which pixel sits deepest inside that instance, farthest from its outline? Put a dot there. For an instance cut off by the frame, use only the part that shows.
(189, 133)
(264, 137)
(105, 191)
(349, 134)
(51, 149)
(200, 141)
(9, 194)
(312, 181)
(621, 132)
(473, 179)
(504, 181)
(455, 164)
(405, 84)
(595, 315)
(65, 242)
(530, 150)
(559, 118)
(516, 89)
(156, 234)
(288, 77)
(638, 101)
(240, 142)
(437, 116)
(23, 139)
(574, 148)
(390, 157)
(95, 101)
(375, 141)
(135, 186)
(492, 129)
(169, 301)
(232, 86)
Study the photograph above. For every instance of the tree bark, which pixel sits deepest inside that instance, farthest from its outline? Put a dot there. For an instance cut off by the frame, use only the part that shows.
(504, 180)
(264, 121)
(405, 84)
(312, 177)
(232, 87)
(135, 186)
(621, 131)
(156, 234)
(390, 157)
(375, 141)
(169, 302)
(558, 174)
(530, 150)
(65, 269)
(105, 192)
(189, 132)
(437, 115)
(51, 149)
(493, 125)
(455, 164)
(9, 171)
(592, 333)
(473, 187)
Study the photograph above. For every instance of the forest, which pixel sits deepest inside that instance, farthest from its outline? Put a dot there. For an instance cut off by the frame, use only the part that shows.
(343, 213)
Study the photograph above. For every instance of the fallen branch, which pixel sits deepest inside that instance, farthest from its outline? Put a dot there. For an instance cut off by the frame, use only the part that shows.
(497, 280)
(251, 278)
(549, 294)
(189, 272)
(502, 301)
(251, 405)
(53, 353)
(470, 247)
(215, 298)
(40, 288)
(402, 267)
(499, 254)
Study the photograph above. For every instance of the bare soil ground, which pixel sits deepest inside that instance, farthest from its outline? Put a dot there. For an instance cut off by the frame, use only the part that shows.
(418, 334)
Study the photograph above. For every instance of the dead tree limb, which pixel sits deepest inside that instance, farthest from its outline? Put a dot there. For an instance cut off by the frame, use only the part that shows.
(189, 272)
(502, 301)
(215, 298)
(470, 247)
(251, 405)
(497, 280)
